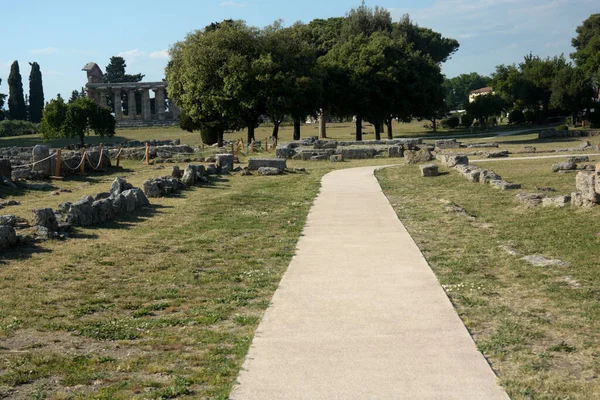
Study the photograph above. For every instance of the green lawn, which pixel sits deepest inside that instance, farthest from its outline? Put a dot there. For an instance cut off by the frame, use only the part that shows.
(537, 326)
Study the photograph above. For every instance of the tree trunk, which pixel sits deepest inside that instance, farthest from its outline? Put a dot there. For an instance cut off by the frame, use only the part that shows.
(250, 132)
(359, 128)
(220, 138)
(389, 129)
(322, 125)
(296, 129)
(433, 121)
(377, 126)
(81, 141)
(276, 129)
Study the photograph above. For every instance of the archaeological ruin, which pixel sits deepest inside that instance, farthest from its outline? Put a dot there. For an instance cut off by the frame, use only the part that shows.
(164, 112)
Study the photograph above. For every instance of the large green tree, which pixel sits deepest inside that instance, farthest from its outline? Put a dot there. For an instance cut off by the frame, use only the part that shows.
(572, 91)
(77, 119)
(425, 40)
(36, 93)
(213, 76)
(587, 49)
(16, 100)
(457, 89)
(485, 106)
(288, 73)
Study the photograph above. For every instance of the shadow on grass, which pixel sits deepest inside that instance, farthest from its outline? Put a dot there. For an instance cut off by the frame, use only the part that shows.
(126, 222)
(21, 252)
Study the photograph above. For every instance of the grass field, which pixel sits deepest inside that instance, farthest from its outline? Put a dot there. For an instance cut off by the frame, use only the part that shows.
(164, 304)
(538, 326)
(160, 305)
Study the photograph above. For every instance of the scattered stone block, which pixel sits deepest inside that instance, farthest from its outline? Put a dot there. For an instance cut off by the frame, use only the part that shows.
(503, 185)
(586, 185)
(265, 171)
(325, 144)
(417, 156)
(451, 160)
(41, 165)
(190, 175)
(557, 201)
(224, 162)
(256, 163)
(578, 159)
(530, 199)
(176, 172)
(576, 199)
(472, 173)
(564, 166)
(8, 236)
(357, 152)
(395, 152)
(336, 158)
(496, 154)
(447, 144)
(429, 170)
(487, 175)
(45, 217)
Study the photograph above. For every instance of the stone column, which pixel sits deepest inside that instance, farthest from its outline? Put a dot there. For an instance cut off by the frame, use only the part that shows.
(103, 98)
(159, 103)
(146, 109)
(90, 93)
(118, 105)
(131, 107)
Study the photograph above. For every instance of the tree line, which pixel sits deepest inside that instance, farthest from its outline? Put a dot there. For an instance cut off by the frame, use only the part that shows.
(229, 75)
(538, 88)
(21, 107)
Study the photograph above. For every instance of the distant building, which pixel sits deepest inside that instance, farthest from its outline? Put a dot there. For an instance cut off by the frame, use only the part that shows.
(478, 92)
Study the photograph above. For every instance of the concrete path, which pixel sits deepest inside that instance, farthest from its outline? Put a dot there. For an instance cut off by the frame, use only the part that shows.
(359, 314)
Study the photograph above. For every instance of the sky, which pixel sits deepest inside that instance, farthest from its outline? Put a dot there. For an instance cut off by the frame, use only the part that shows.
(62, 36)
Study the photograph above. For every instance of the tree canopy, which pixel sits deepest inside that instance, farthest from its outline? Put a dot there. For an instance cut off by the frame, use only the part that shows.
(229, 75)
(36, 93)
(457, 89)
(77, 119)
(16, 101)
(587, 49)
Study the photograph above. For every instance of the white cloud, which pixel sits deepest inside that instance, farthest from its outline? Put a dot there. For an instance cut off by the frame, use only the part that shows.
(131, 56)
(47, 50)
(160, 54)
(232, 4)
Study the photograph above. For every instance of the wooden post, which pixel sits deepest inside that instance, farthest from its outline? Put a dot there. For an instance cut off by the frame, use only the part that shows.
(82, 167)
(100, 156)
(242, 140)
(252, 146)
(57, 169)
(147, 153)
(238, 147)
(119, 154)
(232, 149)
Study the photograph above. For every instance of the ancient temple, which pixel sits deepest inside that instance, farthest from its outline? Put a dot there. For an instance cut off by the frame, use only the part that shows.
(165, 112)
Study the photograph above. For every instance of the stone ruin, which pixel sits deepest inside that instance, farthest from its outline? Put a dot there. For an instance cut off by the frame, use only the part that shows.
(165, 111)
(313, 149)
(475, 174)
(122, 200)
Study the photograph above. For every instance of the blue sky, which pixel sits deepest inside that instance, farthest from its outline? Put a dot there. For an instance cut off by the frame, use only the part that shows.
(64, 35)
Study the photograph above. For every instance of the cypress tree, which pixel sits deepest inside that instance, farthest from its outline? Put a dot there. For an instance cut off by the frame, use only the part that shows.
(36, 93)
(16, 101)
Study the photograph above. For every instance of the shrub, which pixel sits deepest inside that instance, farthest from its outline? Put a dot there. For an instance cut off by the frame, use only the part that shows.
(562, 128)
(593, 120)
(516, 117)
(476, 124)
(444, 124)
(466, 120)
(530, 116)
(492, 121)
(453, 122)
(17, 128)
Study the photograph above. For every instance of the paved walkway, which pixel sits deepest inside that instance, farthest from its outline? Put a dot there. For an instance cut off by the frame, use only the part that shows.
(359, 314)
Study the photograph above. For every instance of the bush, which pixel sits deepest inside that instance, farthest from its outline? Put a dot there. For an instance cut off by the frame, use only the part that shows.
(476, 124)
(530, 116)
(210, 134)
(492, 121)
(453, 122)
(17, 128)
(562, 128)
(466, 120)
(593, 120)
(516, 117)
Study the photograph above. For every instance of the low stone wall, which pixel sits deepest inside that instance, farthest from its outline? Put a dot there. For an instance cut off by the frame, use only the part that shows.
(255, 163)
(553, 133)
(319, 150)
